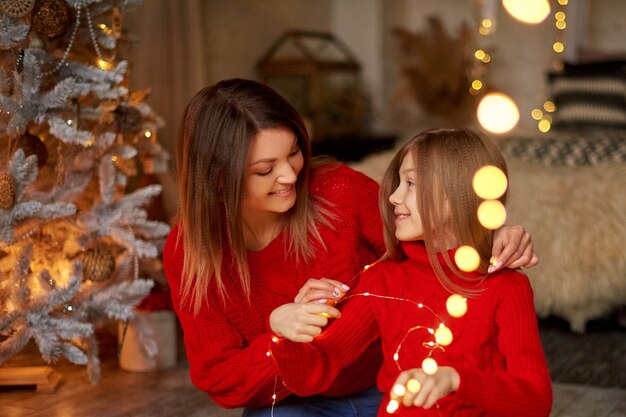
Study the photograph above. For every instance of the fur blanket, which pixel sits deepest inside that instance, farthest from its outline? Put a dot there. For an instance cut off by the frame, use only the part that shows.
(577, 217)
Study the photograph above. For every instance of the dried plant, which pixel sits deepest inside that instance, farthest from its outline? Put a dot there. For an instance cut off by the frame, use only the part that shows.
(437, 68)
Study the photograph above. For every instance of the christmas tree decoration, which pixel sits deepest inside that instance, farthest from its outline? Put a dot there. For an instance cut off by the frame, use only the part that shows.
(98, 263)
(7, 191)
(50, 18)
(16, 8)
(73, 234)
(32, 145)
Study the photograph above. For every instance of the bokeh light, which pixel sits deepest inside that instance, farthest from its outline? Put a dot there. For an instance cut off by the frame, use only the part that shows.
(443, 336)
(456, 305)
(429, 365)
(491, 214)
(497, 113)
(466, 258)
(489, 182)
(531, 12)
(392, 406)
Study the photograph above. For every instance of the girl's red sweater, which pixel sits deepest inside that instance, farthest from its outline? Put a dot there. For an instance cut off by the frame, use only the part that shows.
(227, 342)
(495, 349)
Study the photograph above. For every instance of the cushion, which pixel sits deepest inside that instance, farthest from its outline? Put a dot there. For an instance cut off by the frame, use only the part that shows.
(589, 95)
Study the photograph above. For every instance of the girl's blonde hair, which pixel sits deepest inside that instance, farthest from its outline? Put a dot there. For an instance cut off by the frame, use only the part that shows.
(211, 150)
(446, 161)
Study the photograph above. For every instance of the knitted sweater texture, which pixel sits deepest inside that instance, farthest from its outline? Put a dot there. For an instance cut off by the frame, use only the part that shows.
(495, 349)
(227, 342)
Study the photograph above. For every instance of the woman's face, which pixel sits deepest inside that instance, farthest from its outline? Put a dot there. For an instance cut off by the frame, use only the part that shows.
(274, 161)
(404, 199)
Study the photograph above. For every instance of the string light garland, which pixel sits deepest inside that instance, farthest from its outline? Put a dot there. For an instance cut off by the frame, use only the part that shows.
(543, 115)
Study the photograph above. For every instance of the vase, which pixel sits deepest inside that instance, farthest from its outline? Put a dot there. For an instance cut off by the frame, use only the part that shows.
(149, 343)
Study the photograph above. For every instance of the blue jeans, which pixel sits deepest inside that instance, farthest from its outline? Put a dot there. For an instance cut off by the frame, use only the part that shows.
(363, 404)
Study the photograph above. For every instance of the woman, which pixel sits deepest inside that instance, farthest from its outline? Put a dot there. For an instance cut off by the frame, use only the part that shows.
(260, 227)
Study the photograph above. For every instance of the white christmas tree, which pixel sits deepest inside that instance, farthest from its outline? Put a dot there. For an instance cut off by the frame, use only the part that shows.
(71, 135)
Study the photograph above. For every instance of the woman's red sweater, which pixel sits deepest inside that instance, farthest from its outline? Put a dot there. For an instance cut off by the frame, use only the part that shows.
(495, 349)
(227, 342)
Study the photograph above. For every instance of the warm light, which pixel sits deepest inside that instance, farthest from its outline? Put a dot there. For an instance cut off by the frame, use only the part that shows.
(563, 2)
(537, 114)
(558, 47)
(477, 84)
(486, 59)
(325, 315)
(456, 305)
(399, 390)
(487, 23)
(443, 336)
(69, 122)
(104, 65)
(489, 182)
(268, 354)
(560, 16)
(549, 106)
(396, 357)
(483, 30)
(392, 406)
(90, 142)
(148, 134)
(560, 24)
(480, 54)
(497, 113)
(466, 258)
(528, 11)
(413, 385)
(429, 365)
(491, 214)
(544, 125)
(274, 339)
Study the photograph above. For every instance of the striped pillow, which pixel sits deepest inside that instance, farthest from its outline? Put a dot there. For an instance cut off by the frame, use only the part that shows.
(590, 95)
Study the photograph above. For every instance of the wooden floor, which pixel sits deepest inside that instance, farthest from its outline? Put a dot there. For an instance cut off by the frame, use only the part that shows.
(171, 394)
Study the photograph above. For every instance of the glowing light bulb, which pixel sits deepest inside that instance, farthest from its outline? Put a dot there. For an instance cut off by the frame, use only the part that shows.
(549, 106)
(477, 84)
(559, 16)
(429, 365)
(396, 357)
(487, 23)
(443, 335)
(147, 134)
(486, 59)
(399, 390)
(491, 214)
(497, 113)
(479, 54)
(531, 12)
(558, 47)
(560, 24)
(456, 305)
(274, 339)
(104, 65)
(544, 125)
(466, 258)
(392, 406)
(563, 2)
(536, 114)
(413, 386)
(268, 354)
(489, 182)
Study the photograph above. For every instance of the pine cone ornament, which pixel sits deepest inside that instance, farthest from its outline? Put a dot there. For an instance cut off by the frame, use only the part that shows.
(7, 191)
(16, 8)
(98, 263)
(50, 18)
(128, 119)
(32, 145)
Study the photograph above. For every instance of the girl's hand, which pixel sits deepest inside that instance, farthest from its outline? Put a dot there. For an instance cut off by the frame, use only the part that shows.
(301, 322)
(512, 248)
(323, 290)
(419, 389)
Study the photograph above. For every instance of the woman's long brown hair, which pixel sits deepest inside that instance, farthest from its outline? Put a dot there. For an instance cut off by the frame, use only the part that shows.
(211, 150)
(446, 161)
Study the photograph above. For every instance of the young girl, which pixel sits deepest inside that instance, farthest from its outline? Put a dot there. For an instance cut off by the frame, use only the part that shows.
(495, 363)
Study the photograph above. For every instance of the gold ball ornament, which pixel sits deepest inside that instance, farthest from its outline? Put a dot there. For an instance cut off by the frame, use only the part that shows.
(98, 263)
(7, 191)
(128, 119)
(16, 8)
(32, 145)
(456, 305)
(50, 18)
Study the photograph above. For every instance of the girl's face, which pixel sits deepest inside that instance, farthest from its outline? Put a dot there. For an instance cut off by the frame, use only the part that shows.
(408, 220)
(274, 161)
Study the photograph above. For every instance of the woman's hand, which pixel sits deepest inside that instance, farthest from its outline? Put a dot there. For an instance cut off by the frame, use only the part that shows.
(418, 389)
(301, 322)
(323, 290)
(512, 248)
